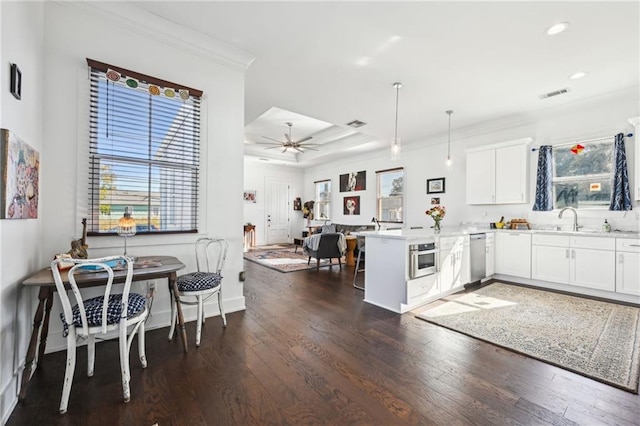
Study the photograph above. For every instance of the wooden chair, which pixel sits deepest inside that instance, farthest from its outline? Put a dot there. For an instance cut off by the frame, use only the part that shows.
(211, 254)
(329, 247)
(99, 315)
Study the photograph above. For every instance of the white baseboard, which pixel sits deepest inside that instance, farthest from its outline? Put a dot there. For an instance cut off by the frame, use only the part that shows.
(9, 397)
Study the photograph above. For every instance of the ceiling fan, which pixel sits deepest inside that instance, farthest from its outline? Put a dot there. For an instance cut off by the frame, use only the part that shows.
(290, 143)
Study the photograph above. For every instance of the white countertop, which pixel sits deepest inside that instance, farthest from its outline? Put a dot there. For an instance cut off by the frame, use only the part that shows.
(429, 234)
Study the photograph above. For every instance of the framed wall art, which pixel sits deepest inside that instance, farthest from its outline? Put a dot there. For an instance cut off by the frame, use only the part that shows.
(16, 82)
(19, 172)
(249, 196)
(354, 181)
(351, 206)
(435, 186)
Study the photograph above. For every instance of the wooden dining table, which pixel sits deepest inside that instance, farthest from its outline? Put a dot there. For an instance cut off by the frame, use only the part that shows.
(145, 268)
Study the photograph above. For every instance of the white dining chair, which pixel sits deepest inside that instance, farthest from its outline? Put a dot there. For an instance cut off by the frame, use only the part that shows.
(206, 282)
(100, 315)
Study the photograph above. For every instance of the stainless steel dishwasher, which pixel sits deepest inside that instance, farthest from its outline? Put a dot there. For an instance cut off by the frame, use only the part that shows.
(478, 249)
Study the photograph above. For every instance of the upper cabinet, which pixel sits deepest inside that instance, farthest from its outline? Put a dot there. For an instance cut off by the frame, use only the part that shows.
(636, 122)
(498, 174)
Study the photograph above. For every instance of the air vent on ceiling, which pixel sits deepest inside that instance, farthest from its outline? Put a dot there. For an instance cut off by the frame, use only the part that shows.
(356, 123)
(554, 93)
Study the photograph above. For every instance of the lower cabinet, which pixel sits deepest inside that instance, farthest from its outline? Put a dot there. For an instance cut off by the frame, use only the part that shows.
(580, 261)
(513, 254)
(490, 255)
(453, 268)
(628, 266)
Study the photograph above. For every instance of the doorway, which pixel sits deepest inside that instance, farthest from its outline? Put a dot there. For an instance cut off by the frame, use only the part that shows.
(277, 211)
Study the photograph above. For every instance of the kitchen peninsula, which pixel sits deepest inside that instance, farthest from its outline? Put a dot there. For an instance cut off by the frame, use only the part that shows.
(391, 280)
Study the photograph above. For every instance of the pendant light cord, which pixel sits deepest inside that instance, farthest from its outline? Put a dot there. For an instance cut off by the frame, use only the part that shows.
(397, 86)
(449, 112)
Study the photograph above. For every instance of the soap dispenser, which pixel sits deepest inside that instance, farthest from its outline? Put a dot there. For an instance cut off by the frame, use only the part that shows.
(606, 226)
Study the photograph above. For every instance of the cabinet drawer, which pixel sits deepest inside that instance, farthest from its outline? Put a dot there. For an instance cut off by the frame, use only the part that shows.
(598, 243)
(551, 240)
(628, 244)
(421, 288)
(447, 243)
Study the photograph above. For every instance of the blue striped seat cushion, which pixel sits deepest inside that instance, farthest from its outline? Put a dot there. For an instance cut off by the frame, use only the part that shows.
(93, 309)
(197, 281)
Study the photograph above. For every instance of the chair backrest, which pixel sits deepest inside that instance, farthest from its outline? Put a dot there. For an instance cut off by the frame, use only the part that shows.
(92, 266)
(328, 245)
(211, 254)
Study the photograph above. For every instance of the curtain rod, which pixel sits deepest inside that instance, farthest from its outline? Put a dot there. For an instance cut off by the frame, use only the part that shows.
(628, 135)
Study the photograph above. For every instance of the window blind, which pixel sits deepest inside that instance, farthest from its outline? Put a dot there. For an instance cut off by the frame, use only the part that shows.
(144, 152)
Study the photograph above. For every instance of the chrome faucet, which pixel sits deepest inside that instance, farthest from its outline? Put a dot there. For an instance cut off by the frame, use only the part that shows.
(575, 217)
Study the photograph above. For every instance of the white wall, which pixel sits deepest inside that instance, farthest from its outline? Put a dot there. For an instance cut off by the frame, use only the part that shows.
(75, 31)
(426, 160)
(50, 41)
(21, 42)
(256, 174)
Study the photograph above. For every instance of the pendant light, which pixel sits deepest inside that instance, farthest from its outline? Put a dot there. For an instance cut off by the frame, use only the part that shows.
(395, 143)
(449, 159)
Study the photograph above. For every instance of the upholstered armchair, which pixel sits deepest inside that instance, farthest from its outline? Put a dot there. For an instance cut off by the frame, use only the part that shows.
(325, 246)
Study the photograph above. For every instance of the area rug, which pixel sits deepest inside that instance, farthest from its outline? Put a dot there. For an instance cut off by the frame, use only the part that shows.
(597, 339)
(284, 259)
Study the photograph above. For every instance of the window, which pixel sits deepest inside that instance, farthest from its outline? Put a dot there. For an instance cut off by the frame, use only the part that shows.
(144, 152)
(390, 190)
(583, 180)
(323, 200)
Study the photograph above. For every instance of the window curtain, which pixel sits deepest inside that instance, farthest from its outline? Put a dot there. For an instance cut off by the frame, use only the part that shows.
(620, 188)
(544, 180)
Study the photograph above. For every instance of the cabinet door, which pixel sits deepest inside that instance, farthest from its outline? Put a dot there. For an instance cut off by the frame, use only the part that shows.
(514, 254)
(550, 264)
(446, 276)
(593, 268)
(481, 182)
(511, 174)
(628, 273)
(490, 258)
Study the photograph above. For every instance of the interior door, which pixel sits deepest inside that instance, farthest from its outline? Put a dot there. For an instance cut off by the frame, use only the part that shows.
(277, 203)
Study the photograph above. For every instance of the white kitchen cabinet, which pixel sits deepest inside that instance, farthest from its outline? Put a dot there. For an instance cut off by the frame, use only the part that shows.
(454, 263)
(498, 174)
(577, 260)
(550, 257)
(636, 122)
(513, 254)
(628, 266)
(481, 183)
(593, 268)
(490, 255)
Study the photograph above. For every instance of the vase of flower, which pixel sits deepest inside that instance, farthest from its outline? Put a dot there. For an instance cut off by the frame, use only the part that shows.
(437, 214)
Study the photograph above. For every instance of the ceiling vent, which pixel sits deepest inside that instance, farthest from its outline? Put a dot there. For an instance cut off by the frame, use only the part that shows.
(356, 123)
(554, 93)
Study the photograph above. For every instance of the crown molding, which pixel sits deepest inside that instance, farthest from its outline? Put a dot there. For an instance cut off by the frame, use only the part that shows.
(164, 31)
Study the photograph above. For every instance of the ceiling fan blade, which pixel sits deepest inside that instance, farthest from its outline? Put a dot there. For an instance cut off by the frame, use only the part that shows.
(307, 147)
(288, 137)
(298, 149)
(305, 139)
(285, 149)
(269, 143)
(275, 140)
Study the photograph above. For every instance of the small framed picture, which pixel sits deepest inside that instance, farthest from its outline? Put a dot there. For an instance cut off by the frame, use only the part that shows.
(435, 200)
(249, 196)
(435, 186)
(16, 82)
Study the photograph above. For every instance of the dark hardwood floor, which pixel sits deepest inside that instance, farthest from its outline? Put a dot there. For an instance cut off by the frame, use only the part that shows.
(308, 350)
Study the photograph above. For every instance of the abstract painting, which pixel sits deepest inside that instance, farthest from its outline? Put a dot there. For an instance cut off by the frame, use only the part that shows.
(19, 168)
(354, 181)
(351, 205)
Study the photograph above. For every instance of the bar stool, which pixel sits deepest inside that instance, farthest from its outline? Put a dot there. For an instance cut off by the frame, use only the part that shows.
(361, 241)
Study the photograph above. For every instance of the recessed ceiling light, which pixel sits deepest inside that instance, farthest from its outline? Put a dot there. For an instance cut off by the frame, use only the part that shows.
(557, 28)
(577, 75)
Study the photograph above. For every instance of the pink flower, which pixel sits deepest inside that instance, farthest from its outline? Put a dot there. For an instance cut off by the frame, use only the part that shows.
(436, 212)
